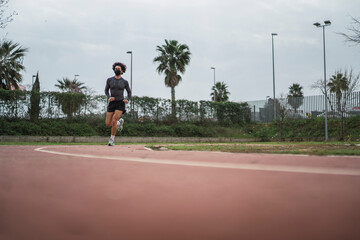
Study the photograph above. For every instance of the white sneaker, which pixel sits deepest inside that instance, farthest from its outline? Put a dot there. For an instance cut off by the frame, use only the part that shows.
(111, 142)
(120, 124)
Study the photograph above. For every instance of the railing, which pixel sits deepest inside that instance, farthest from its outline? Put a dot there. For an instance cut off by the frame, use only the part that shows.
(305, 107)
(16, 104)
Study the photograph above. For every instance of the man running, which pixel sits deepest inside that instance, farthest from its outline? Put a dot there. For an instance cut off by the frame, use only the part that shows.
(117, 102)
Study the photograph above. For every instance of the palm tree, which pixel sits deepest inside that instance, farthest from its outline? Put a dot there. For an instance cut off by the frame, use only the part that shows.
(68, 85)
(337, 84)
(295, 96)
(172, 59)
(72, 97)
(221, 92)
(11, 64)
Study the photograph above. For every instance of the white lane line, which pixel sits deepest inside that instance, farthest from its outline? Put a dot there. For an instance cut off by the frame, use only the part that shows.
(258, 167)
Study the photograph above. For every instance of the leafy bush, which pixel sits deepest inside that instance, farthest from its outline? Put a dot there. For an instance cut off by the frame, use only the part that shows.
(95, 126)
(45, 128)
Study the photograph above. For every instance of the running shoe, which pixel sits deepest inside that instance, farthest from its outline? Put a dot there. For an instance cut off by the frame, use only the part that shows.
(111, 143)
(120, 125)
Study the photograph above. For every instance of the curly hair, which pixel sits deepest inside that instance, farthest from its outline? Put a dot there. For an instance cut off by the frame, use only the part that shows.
(123, 66)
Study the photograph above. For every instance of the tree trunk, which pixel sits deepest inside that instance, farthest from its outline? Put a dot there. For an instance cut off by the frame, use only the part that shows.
(173, 104)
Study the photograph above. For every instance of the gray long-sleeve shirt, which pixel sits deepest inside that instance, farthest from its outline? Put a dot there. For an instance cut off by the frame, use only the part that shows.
(116, 87)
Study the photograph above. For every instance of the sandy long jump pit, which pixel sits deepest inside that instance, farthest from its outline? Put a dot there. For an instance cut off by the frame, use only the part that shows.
(128, 192)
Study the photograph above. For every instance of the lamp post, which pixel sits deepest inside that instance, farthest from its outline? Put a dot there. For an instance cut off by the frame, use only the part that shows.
(214, 84)
(326, 23)
(273, 66)
(76, 75)
(130, 52)
(32, 83)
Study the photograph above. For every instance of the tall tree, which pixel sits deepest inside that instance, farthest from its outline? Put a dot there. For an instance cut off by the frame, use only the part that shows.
(282, 112)
(11, 64)
(34, 110)
(296, 96)
(343, 85)
(72, 97)
(354, 36)
(338, 84)
(4, 20)
(267, 114)
(320, 85)
(221, 92)
(173, 58)
(73, 86)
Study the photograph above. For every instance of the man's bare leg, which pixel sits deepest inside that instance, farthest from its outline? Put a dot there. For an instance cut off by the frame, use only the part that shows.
(115, 118)
(109, 116)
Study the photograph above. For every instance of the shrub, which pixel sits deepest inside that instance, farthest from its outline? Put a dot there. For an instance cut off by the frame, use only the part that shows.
(95, 126)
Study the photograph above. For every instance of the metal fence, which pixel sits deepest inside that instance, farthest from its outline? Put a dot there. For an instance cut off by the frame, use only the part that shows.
(17, 104)
(305, 107)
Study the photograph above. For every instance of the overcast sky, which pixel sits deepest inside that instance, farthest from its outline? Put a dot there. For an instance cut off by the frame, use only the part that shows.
(85, 37)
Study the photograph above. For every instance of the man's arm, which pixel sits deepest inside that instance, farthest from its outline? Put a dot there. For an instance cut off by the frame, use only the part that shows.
(107, 87)
(128, 90)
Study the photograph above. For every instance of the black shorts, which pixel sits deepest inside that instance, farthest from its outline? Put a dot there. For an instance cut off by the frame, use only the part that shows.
(116, 105)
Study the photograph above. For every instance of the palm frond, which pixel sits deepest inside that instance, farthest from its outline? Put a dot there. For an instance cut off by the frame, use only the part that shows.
(11, 58)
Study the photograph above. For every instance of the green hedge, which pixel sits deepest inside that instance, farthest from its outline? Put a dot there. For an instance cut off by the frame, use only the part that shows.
(306, 128)
(45, 128)
(53, 105)
(95, 126)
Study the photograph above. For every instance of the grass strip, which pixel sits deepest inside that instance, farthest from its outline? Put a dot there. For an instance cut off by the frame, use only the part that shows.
(278, 148)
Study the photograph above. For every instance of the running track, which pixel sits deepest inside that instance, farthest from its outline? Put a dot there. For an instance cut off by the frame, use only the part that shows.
(130, 193)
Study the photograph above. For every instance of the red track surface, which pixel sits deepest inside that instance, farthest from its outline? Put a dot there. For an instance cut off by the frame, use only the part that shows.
(45, 195)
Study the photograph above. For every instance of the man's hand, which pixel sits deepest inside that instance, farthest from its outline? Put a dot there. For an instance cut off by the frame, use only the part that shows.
(111, 99)
(126, 101)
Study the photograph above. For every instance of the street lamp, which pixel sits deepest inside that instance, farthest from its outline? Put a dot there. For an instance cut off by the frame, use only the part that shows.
(214, 84)
(326, 23)
(273, 65)
(76, 75)
(33, 76)
(130, 52)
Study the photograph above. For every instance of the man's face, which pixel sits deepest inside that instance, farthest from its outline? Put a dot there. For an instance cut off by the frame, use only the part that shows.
(118, 68)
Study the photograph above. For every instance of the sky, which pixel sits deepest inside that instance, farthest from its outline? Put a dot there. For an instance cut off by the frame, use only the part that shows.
(81, 37)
